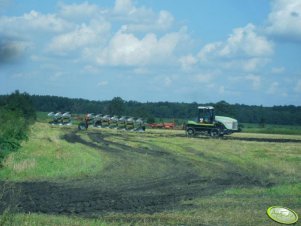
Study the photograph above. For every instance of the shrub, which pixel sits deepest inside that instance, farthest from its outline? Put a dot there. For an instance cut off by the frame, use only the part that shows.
(21, 102)
(16, 114)
(13, 131)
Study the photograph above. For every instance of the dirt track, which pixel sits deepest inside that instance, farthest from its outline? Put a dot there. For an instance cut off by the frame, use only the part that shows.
(255, 139)
(155, 192)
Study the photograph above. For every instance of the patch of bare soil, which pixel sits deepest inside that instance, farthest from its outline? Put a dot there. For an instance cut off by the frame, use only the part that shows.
(104, 193)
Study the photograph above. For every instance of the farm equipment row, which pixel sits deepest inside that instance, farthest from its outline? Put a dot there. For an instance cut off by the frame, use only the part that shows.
(99, 121)
(207, 123)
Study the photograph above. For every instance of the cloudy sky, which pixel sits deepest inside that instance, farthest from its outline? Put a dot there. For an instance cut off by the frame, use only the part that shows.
(246, 52)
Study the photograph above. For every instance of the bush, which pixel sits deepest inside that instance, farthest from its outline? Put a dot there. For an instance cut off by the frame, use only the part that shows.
(13, 131)
(22, 103)
(16, 114)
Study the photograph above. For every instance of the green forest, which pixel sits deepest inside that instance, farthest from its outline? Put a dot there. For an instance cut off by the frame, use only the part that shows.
(279, 115)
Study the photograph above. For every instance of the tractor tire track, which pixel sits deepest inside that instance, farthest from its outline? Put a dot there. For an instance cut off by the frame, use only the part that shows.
(102, 194)
(252, 139)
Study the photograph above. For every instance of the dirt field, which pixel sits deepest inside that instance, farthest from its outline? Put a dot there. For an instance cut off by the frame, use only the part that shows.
(93, 196)
(163, 180)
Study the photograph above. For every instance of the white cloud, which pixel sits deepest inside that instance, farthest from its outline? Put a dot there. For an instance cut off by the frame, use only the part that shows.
(38, 21)
(187, 62)
(129, 39)
(243, 42)
(209, 49)
(165, 19)
(245, 49)
(140, 19)
(244, 64)
(284, 21)
(81, 10)
(253, 63)
(127, 49)
(150, 23)
(32, 26)
(124, 7)
(86, 29)
(82, 36)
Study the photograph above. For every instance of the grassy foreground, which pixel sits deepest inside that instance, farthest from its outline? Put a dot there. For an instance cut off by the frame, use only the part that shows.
(259, 174)
(46, 157)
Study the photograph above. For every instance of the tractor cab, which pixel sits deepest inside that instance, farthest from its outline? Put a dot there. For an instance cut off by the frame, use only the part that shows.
(206, 115)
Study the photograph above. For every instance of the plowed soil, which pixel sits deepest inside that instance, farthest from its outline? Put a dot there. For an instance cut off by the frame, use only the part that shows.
(162, 185)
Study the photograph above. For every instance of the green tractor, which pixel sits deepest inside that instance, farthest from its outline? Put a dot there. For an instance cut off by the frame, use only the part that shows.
(209, 124)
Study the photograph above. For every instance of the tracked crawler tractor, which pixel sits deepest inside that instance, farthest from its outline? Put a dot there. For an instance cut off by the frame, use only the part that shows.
(208, 123)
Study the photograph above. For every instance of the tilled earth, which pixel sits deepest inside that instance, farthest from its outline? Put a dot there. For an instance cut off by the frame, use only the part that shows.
(113, 191)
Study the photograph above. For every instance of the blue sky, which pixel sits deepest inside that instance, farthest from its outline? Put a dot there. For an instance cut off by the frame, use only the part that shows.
(245, 52)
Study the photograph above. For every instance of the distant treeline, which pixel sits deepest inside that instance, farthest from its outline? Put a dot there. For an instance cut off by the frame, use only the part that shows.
(285, 115)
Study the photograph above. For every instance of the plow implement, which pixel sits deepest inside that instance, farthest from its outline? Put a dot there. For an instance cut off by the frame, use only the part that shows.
(98, 121)
(60, 118)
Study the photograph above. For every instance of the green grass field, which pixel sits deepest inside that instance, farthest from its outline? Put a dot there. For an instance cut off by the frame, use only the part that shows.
(272, 129)
(45, 157)
(159, 177)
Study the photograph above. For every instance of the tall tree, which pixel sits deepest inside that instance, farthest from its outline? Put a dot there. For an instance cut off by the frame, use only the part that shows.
(117, 106)
(21, 102)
